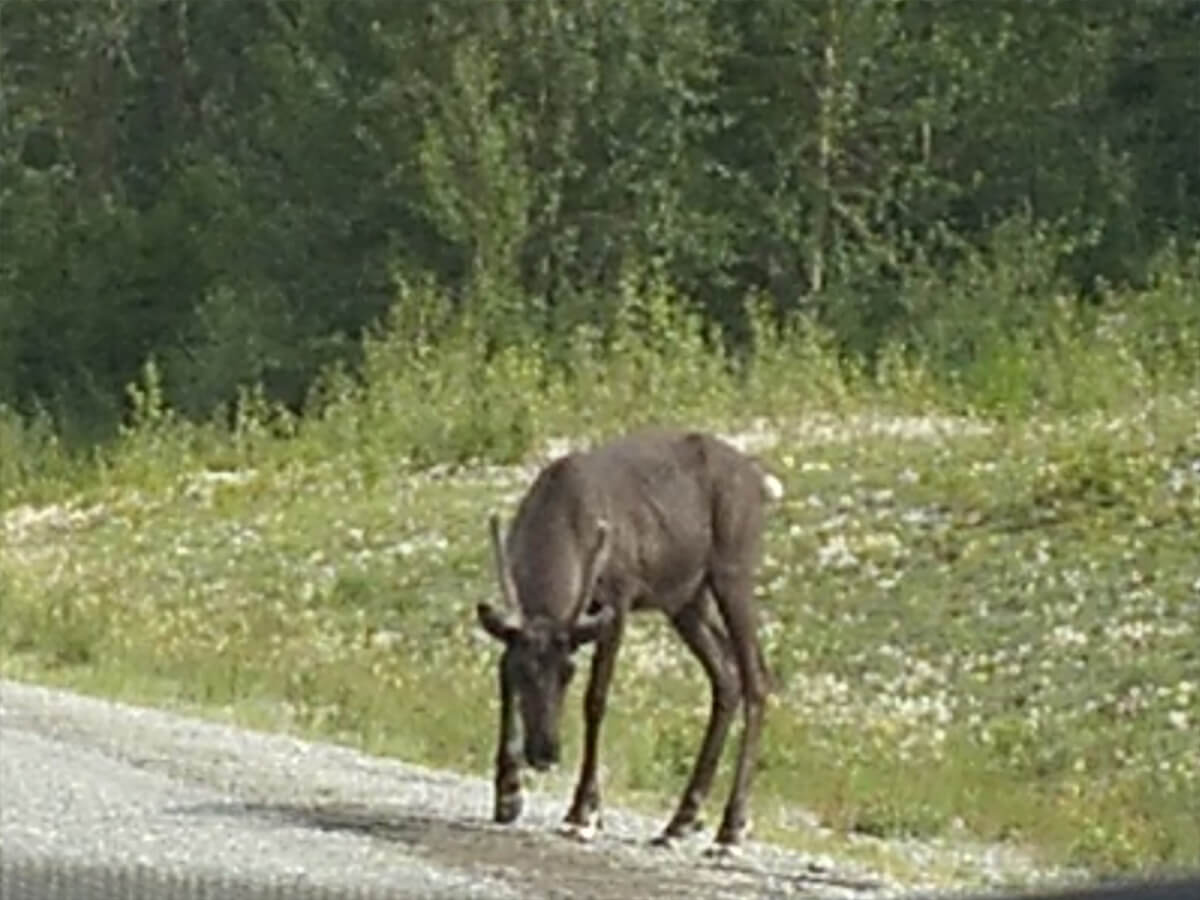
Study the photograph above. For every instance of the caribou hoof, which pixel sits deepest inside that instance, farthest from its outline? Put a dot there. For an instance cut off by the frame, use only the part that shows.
(677, 832)
(583, 831)
(728, 842)
(665, 841)
(508, 807)
(720, 851)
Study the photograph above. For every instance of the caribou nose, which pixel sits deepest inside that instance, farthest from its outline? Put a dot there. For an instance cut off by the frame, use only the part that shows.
(542, 754)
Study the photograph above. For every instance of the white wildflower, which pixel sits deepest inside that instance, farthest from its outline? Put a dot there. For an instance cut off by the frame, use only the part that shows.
(836, 554)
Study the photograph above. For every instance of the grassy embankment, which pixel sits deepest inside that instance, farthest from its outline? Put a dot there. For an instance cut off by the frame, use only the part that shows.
(982, 594)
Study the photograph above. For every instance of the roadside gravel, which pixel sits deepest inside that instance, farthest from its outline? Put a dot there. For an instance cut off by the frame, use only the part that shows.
(87, 781)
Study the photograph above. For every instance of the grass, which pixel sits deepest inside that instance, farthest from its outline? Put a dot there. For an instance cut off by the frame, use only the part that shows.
(983, 623)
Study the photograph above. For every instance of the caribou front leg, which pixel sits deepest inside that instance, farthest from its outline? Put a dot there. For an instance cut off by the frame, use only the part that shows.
(583, 818)
(508, 800)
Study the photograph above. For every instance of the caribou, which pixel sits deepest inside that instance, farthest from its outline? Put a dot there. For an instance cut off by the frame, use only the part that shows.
(660, 519)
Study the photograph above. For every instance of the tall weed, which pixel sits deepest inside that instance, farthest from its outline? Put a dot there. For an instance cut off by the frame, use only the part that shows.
(1002, 333)
(32, 457)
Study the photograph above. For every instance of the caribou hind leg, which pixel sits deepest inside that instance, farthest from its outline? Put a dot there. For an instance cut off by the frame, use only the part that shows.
(734, 590)
(700, 629)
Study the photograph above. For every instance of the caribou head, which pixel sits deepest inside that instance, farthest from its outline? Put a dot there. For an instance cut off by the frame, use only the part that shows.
(536, 665)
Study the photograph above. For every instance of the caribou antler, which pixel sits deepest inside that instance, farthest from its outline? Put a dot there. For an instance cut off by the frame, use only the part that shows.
(596, 559)
(505, 623)
(508, 590)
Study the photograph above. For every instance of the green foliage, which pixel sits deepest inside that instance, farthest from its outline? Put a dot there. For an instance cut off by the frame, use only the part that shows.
(31, 455)
(152, 433)
(59, 630)
(1003, 329)
(883, 175)
(478, 184)
(432, 392)
(656, 346)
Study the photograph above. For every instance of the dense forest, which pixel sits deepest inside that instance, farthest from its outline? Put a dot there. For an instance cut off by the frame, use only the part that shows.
(238, 189)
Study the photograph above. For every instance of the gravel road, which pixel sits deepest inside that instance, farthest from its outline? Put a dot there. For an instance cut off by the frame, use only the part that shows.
(85, 781)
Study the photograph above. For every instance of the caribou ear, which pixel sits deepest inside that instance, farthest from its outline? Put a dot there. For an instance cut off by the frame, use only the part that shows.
(503, 626)
(590, 626)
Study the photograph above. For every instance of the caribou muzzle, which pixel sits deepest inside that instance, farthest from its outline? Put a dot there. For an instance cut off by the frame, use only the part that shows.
(542, 753)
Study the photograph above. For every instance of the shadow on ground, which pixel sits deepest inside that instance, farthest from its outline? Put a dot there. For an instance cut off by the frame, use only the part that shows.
(539, 859)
